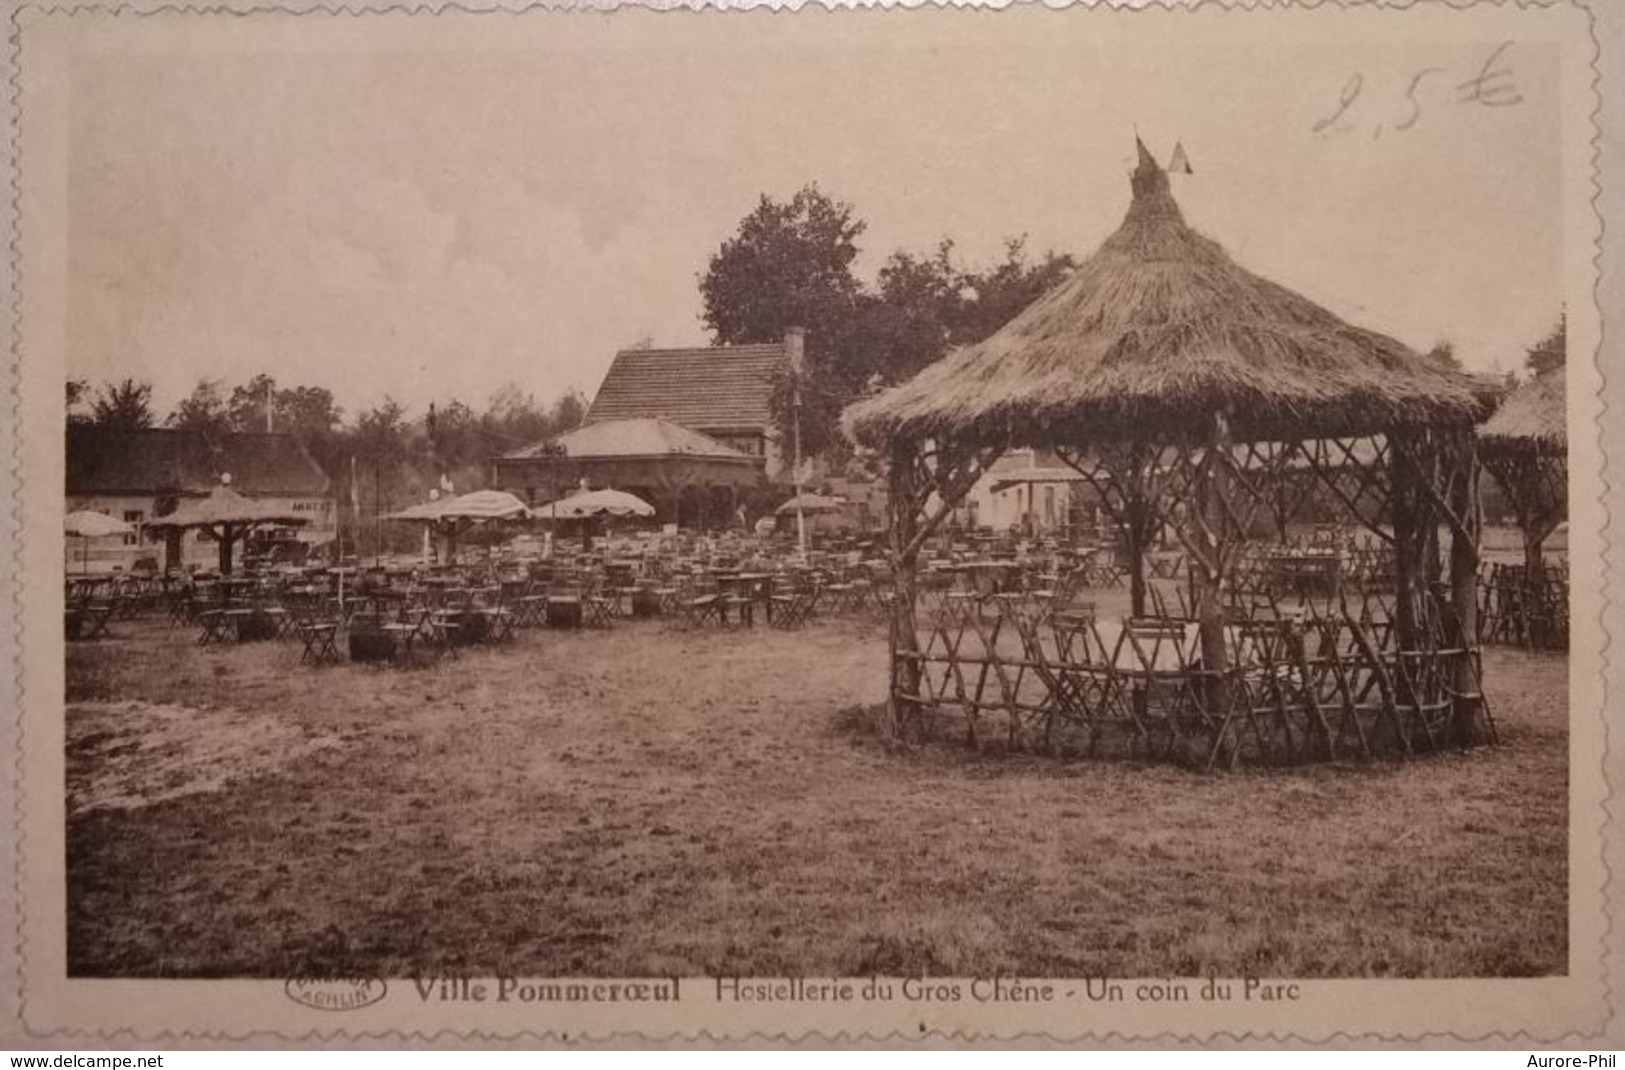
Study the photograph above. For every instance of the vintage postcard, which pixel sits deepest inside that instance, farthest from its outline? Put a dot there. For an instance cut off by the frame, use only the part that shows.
(1061, 522)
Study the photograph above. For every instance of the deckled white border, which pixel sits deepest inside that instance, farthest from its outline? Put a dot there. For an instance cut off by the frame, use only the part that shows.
(1608, 30)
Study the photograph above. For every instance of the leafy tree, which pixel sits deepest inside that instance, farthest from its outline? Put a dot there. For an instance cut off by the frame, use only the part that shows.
(203, 410)
(455, 436)
(78, 394)
(789, 265)
(916, 316)
(123, 406)
(1551, 352)
(306, 411)
(513, 417)
(568, 411)
(1003, 291)
(927, 306)
(248, 403)
(380, 434)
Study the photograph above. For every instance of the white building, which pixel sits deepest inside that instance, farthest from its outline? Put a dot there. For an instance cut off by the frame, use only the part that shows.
(1024, 491)
(136, 476)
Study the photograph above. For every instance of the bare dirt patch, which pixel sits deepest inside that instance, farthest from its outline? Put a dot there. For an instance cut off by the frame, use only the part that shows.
(126, 755)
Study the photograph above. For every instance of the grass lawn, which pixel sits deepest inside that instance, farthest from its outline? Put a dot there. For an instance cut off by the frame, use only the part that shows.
(647, 801)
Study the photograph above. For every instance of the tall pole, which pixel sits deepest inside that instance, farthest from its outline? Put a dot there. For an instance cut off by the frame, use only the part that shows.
(795, 434)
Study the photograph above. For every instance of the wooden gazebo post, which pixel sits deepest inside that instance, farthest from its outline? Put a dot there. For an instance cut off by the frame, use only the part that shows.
(1212, 509)
(1137, 520)
(1467, 520)
(1402, 515)
(904, 642)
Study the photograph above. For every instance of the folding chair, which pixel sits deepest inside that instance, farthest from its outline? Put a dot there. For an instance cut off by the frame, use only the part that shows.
(404, 631)
(499, 623)
(530, 606)
(598, 611)
(93, 618)
(215, 626)
(669, 597)
(183, 605)
(700, 603)
(281, 620)
(443, 633)
(792, 606)
(1162, 665)
(320, 639)
(839, 594)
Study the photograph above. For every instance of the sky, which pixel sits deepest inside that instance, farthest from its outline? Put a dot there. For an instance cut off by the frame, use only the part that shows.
(356, 204)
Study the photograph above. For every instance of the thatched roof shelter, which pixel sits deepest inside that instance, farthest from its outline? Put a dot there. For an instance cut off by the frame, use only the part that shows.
(1160, 327)
(1525, 448)
(228, 516)
(1534, 417)
(1189, 392)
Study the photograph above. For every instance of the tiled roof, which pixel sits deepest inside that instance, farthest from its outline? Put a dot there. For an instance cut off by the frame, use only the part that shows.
(638, 437)
(163, 460)
(716, 389)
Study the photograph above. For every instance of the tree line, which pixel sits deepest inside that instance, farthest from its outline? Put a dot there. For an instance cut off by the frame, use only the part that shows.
(396, 455)
(789, 263)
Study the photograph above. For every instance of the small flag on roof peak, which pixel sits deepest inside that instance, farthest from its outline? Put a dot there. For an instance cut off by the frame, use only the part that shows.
(1179, 163)
(1146, 159)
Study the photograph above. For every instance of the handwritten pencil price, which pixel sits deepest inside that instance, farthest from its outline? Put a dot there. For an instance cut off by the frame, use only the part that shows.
(1360, 106)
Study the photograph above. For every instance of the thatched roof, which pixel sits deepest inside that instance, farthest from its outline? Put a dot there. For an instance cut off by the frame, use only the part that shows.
(223, 505)
(1155, 332)
(1534, 416)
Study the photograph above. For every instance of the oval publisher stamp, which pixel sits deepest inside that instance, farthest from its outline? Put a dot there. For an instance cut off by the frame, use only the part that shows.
(335, 993)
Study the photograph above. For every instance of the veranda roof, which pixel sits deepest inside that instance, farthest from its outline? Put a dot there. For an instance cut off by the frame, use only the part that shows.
(634, 437)
(1155, 332)
(1534, 416)
(1005, 478)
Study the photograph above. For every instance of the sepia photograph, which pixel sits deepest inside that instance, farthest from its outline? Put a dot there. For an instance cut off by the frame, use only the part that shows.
(1046, 495)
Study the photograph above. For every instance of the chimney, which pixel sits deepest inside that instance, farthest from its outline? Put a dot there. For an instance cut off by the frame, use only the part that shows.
(795, 345)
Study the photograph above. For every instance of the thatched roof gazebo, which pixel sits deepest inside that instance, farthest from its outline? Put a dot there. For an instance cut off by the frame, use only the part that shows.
(227, 516)
(1184, 387)
(1525, 447)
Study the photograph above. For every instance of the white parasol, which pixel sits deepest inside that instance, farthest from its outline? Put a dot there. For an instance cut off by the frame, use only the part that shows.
(605, 502)
(88, 525)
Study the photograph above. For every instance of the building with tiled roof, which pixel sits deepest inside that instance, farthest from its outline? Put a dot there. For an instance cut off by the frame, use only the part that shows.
(723, 392)
(691, 479)
(139, 475)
